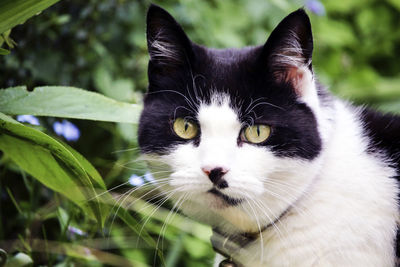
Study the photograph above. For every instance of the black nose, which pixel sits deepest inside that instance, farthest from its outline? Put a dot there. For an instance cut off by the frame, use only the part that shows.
(216, 175)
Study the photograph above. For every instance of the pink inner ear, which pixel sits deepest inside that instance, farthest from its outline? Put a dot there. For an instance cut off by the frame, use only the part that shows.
(293, 75)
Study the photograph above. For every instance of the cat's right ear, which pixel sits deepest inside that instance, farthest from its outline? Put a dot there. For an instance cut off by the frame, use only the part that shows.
(288, 52)
(169, 47)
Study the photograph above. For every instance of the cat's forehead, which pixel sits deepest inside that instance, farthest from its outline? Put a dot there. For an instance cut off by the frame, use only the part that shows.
(218, 110)
(232, 71)
(231, 54)
(225, 60)
(218, 119)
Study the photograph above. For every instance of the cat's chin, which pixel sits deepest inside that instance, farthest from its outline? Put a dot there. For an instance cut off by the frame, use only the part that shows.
(219, 200)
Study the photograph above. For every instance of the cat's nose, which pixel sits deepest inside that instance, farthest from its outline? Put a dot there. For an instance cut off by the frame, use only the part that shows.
(216, 176)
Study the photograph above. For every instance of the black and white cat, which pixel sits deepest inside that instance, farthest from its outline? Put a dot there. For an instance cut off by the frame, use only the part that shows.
(284, 172)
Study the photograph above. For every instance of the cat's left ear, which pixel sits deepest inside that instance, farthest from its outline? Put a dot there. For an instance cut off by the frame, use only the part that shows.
(288, 52)
(169, 47)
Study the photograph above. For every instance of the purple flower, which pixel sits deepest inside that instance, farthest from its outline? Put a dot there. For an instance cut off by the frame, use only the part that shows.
(76, 231)
(67, 129)
(136, 180)
(315, 7)
(29, 119)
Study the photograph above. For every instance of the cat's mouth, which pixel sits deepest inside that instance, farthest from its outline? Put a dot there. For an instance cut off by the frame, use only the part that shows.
(229, 200)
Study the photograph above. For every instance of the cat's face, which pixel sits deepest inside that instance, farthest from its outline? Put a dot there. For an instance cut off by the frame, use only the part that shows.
(232, 134)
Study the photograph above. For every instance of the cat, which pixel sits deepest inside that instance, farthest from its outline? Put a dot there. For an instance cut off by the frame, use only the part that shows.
(248, 142)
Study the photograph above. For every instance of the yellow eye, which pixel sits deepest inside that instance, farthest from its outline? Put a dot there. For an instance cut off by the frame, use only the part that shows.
(257, 133)
(185, 129)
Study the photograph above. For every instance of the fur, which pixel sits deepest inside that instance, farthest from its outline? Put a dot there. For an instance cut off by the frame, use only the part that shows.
(321, 191)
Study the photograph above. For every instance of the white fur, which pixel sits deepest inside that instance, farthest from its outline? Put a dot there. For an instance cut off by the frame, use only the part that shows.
(164, 50)
(343, 203)
(290, 53)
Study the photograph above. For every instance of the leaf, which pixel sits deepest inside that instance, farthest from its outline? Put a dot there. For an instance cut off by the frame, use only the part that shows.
(90, 170)
(5, 37)
(138, 228)
(66, 102)
(175, 251)
(127, 131)
(120, 89)
(62, 169)
(4, 51)
(14, 12)
(54, 164)
(395, 3)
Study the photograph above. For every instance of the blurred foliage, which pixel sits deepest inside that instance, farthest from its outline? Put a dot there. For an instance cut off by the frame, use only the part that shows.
(101, 46)
(14, 12)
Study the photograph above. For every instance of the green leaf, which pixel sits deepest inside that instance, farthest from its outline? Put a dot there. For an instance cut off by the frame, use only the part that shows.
(195, 248)
(5, 37)
(120, 89)
(14, 12)
(128, 131)
(395, 3)
(138, 228)
(54, 164)
(4, 51)
(63, 170)
(175, 251)
(66, 102)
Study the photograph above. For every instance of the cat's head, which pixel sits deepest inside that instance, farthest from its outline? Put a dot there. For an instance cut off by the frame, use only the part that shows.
(236, 131)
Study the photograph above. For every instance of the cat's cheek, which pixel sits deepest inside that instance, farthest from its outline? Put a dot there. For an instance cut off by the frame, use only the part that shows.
(183, 156)
(256, 163)
(244, 186)
(187, 181)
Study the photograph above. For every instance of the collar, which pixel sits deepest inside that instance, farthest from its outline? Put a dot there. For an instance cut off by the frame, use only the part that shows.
(230, 244)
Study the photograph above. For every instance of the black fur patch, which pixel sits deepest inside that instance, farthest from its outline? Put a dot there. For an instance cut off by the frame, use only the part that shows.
(383, 131)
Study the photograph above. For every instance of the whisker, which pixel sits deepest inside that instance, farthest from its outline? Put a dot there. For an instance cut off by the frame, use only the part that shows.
(191, 105)
(125, 196)
(172, 217)
(158, 239)
(108, 191)
(161, 195)
(255, 104)
(125, 150)
(165, 199)
(127, 182)
(260, 234)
